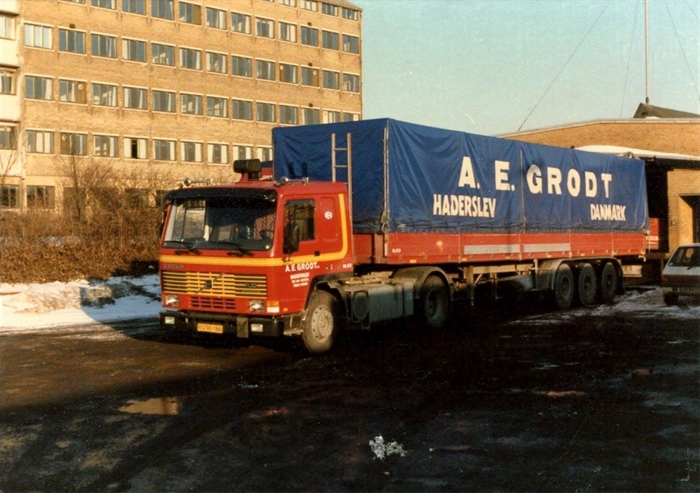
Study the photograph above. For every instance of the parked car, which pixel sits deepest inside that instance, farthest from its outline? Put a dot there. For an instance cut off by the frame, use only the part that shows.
(681, 276)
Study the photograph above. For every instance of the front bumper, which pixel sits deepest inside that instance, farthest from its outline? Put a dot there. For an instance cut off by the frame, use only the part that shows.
(242, 326)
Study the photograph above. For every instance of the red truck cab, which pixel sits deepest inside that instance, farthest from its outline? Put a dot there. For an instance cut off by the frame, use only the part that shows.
(244, 258)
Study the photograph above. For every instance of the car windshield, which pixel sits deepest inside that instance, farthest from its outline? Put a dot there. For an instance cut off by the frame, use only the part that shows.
(224, 223)
(688, 256)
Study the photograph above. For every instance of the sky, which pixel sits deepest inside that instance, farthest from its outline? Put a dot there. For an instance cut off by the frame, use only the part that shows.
(495, 67)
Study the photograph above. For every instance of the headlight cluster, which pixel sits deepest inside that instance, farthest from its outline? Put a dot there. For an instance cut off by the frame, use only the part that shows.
(172, 300)
(256, 305)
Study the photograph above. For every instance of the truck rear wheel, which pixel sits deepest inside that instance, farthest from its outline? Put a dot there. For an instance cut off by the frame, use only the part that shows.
(586, 285)
(563, 287)
(434, 305)
(321, 322)
(608, 283)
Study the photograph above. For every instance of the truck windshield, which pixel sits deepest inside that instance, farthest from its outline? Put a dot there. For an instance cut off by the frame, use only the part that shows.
(223, 223)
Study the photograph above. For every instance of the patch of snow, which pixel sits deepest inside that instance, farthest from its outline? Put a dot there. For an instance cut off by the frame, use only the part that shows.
(56, 304)
(383, 450)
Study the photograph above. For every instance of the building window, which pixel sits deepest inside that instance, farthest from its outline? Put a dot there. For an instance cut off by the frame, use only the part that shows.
(190, 104)
(264, 28)
(309, 36)
(288, 115)
(163, 9)
(217, 107)
(242, 152)
(216, 18)
(265, 70)
(190, 13)
(349, 14)
(134, 50)
(288, 73)
(310, 116)
(73, 144)
(105, 4)
(41, 197)
(71, 91)
(331, 80)
(240, 23)
(135, 148)
(164, 101)
(38, 87)
(216, 62)
(104, 145)
(350, 117)
(7, 137)
(264, 153)
(104, 94)
(135, 98)
(134, 6)
(164, 150)
(331, 116)
(190, 58)
(136, 198)
(311, 5)
(330, 40)
(71, 41)
(309, 76)
(241, 66)
(217, 153)
(104, 46)
(10, 196)
(7, 26)
(351, 44)
(288, 3)
(191, 152)
(7, 81)
(163, 54)
(329, 9)
(38, 36)
(266, 112)
(288, 32)
(40, 141)
(351, 83)
(242, 110)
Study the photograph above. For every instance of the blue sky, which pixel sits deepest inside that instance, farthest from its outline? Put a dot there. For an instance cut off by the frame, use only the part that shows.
(495, 66)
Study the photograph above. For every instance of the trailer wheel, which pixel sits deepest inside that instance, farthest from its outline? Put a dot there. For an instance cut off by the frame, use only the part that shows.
(563, 287)
(671, 298)
(608, 283)
(321, 323)
(434, 304)
(586, 285)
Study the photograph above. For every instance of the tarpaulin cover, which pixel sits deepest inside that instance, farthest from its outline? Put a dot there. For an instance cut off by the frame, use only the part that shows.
(413, 178)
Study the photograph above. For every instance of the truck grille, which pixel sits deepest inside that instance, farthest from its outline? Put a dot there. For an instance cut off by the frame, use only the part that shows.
(212, 284)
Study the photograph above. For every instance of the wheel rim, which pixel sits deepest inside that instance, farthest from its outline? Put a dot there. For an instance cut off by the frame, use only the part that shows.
(321, 323)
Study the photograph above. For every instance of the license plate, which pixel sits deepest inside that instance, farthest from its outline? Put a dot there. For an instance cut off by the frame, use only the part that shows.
(213, 328)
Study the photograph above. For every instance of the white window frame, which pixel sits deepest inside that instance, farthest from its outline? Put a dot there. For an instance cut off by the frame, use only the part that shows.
(46, 87)
(346, 42)
(190, 13)
(186, 55)
(330, 79)
(211, 55)
(283, 73)
(162, 144)
(8, 80)
(128, 45)
(288, 32)
(157, 6)
(104, 4)
(223, 103)
(76, 34)
(191, 104)
(112, 145)
(250, 66)
(309, 29)
(305, 111)
(38, 36)
(241, 23)
(315, 76)
(79, 138)
(222, 152)
(188, 147)
(215, 18)
(242, 151)
(106, 45)
(7, 26)
(326, 35)
(105, 89)
(75, 89)
(269, 69)
(133, 7)
(351, 83)
(264, 153)
(264, 28)
(266, 106)
(350, 14)
(129, 92)
(288, 3)
(163, 54)
(172, 95)
(329, 9)
(43, 141)
(284, 111)
(332, 116)
(249, 105)
(311, 5)
(139, 144)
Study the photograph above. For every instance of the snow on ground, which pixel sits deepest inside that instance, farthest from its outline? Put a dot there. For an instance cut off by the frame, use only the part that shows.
(56, 304)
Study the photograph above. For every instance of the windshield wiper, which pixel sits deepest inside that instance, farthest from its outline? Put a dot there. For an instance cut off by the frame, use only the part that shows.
(240, 250)
(190, 247)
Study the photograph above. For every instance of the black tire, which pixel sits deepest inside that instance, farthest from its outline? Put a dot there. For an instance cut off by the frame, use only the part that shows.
(608, 283)
(586, 285)
(434, 303)
(563, 287)
(671, 298)
(321, 322)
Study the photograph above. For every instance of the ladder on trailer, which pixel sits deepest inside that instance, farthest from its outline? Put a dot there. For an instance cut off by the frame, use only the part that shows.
(335, 166)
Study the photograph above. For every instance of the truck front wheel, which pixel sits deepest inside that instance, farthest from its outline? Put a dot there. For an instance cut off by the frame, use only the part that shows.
(434, 305)
(321, 322)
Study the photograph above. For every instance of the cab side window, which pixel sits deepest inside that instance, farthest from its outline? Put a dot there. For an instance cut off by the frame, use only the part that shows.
(300, 214)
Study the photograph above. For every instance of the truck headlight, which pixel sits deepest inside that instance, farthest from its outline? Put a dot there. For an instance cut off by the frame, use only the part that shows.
(256, 305)
(172, 300)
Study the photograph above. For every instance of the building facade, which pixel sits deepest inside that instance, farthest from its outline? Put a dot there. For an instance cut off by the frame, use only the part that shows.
(164, 89)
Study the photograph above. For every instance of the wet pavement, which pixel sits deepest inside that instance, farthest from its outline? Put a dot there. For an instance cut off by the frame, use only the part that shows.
(533, 401)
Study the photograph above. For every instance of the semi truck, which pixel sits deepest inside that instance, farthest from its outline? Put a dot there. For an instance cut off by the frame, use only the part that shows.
(370, 221)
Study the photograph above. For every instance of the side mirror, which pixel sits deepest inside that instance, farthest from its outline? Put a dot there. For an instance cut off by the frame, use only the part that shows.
(292, 237)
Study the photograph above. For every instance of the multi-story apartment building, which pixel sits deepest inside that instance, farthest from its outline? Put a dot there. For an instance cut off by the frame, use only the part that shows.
(164, 89)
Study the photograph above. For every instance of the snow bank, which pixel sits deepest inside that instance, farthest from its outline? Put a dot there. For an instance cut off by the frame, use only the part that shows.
(34, 306)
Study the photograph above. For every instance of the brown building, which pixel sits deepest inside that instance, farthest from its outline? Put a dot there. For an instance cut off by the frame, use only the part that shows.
(669, 142)
(165, 89)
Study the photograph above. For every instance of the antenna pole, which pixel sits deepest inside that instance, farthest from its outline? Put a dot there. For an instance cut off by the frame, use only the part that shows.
(646, 45)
